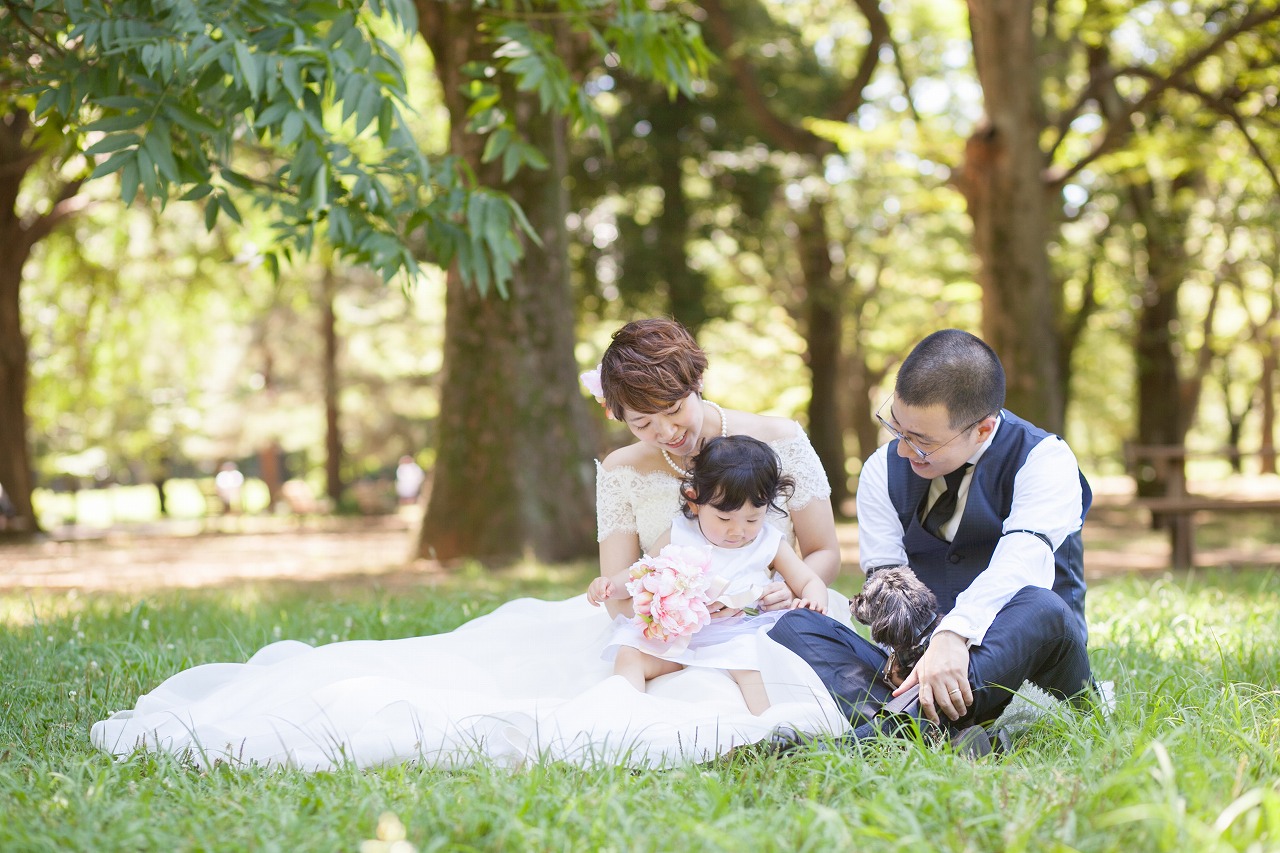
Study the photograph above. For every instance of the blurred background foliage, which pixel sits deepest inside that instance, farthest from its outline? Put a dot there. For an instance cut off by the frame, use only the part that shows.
(159, 346)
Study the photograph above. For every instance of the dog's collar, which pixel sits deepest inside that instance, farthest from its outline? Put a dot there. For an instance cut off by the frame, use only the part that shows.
(922, 639)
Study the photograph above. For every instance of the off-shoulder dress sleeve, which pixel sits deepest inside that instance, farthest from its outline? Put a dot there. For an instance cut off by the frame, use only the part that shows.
(615, 512)
(800, 461)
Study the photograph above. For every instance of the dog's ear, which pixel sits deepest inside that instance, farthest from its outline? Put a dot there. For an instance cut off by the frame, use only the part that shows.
(860, 609)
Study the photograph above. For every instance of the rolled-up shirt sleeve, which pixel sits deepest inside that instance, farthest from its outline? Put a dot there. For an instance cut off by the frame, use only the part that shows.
(879, 528)
(1047, 500)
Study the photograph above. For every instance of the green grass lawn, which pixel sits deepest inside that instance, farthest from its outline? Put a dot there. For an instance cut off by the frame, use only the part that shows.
(1188, 762)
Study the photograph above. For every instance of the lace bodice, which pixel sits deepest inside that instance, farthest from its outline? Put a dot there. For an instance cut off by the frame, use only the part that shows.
(644, 504)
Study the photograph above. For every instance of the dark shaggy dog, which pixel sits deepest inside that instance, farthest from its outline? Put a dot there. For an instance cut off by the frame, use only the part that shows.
(901, 612)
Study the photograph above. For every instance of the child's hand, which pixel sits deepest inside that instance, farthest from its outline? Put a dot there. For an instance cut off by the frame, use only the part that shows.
(599, 591)
(809, 604)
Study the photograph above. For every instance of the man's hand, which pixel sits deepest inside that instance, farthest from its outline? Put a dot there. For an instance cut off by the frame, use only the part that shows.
(943, 676)
(777, 596)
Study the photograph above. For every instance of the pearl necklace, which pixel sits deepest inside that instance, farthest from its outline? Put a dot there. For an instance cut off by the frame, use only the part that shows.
(724, 431)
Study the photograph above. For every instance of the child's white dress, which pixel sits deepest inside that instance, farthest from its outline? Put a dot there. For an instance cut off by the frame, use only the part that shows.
(725, 643)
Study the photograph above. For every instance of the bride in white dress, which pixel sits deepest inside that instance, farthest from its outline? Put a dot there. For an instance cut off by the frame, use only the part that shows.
(526, 682)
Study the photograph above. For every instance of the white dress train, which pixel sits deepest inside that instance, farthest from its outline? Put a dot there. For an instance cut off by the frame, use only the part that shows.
(524, 683)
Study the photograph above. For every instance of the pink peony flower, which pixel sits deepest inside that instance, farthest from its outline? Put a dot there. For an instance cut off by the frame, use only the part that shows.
(669, 592)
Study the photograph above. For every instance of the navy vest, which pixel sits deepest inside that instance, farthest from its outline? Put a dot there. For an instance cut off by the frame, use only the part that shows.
(948, 568)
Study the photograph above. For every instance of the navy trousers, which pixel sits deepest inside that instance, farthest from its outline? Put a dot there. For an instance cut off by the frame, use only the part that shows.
(1035, 637)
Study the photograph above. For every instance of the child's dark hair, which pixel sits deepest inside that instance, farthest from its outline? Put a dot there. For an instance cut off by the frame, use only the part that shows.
(734, 470)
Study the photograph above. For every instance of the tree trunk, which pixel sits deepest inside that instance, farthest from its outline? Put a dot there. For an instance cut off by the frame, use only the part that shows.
(1002, 182)
(1162, 419)
(863, 380)
(15, 247)
(513, 474)
(332, 431)
(823, 333)
(15, 461)
(1267, 388)
(269, 469)
(686, 287)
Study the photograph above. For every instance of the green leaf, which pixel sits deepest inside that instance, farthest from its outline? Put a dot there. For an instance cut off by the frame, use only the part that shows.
(350, 95)
(203, 57)
(370, 104)
(184, 116)
(526, 227)
(510, 163)
(44, 102)
(197, 192)
(291, 129)
(211, 213)
(158, 146)
(477, 213)
(320, 189)
(123, 103)
(110, 124)
(386, 121)
(147, 174)
(291, 77)
(113, 163)
(112, 142)
(129, 181)
(224, 202)
(496, 144)
(272, 114)
(249, 69)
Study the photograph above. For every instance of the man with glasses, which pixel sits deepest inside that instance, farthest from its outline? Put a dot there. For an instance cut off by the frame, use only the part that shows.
(987, 510)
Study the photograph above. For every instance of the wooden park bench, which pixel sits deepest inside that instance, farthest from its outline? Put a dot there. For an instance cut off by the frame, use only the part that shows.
(1178, 506)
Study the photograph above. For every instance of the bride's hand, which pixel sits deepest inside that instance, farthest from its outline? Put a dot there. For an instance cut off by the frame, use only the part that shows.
(777, 596)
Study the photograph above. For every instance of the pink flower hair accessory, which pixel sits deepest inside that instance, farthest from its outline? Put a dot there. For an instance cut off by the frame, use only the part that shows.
(591, 381)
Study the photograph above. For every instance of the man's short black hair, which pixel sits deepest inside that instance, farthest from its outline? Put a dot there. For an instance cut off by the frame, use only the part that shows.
(956, 369)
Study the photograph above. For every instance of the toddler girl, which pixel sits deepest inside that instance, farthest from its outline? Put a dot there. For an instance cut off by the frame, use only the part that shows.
(735, 483)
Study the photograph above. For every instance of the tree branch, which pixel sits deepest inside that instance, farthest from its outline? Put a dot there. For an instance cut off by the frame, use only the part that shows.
(1099, 73)
(1160, 83)
(781, 133)
(64, 206)
(852, 98)
(40, 37)
(1227, 108)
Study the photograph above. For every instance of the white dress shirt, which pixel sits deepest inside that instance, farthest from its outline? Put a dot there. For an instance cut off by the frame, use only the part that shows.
(1047, 499)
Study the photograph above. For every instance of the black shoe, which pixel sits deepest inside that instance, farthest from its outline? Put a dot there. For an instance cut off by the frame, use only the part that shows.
(784, 740)
(978, 742)
(971, 742)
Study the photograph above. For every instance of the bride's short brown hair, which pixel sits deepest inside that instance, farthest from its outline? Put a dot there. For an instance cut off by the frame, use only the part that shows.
(650, 365)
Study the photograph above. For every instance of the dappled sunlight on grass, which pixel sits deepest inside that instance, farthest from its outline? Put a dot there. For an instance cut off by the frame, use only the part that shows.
(1188, 760)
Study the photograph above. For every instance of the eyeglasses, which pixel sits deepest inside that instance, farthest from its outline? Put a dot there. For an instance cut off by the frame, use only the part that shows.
(915, 448)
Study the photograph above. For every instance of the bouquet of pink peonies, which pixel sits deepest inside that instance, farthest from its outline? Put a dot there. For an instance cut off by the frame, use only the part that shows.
(669, 592)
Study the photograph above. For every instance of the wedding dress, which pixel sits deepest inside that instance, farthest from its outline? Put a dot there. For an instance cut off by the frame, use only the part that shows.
(527, 682)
